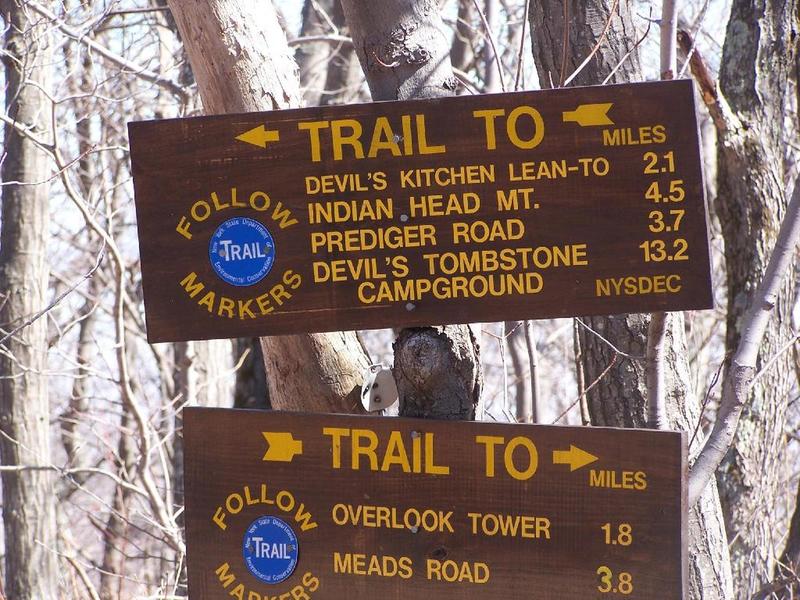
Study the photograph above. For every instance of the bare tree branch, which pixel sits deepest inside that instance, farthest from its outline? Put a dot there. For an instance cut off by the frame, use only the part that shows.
(654, 367)
(739, 378)
(669, 27)
(113, 57)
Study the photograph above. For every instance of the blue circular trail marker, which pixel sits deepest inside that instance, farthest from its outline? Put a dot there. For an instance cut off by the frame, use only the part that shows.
(241, 251)
(270, 549)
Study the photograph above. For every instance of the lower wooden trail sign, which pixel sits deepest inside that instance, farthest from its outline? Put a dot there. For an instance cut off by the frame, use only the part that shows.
(474, 208)
(309, 507)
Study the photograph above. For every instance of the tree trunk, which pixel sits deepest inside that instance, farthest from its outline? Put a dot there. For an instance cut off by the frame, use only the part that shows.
(116, 545)
(522, 353)
(619, 397)
(251, 389)
(404, 53)
(322, 371)
(312, 58)
(438, 374)
(788, 571)
(345, 79)
(758, 56)
(78, 452)
(462, 52)
(709, 560)
(587, 19)
(491, 73)
(31, 565)
(402, 47)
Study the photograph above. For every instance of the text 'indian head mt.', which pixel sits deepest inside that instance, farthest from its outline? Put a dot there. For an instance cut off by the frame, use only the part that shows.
(479, 208)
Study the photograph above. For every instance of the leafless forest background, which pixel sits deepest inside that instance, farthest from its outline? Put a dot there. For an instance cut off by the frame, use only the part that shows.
(91, 412)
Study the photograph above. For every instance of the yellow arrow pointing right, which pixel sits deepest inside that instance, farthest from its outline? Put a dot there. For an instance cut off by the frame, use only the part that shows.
(587, 115)
(281, 446)
(574, 457)
(259, 136)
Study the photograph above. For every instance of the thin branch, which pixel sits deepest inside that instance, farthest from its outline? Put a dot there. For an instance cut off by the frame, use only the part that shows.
(632, 50)
(706, 400)
(669, 27)
(533, 361)
(136, 11)
(599, 43)
(463, 79)
(112, 57)
(57, 300)
(608, 343)
(564, 46)
(657, 330)
(789, 344)
(739, 378)
(490, 37)
(84, 577)
(520, 56)
(654, 369)
(330, 38)
(583, 394)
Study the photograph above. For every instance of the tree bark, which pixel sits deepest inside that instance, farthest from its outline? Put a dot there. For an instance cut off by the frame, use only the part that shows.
(402, 47)
(345, 79)
(522, 353)
(309, 372)
(462, 52)
(329, 72)
(587, 19)
(491, 72)
(438, 374)
(77, 451)
(788, 571)
(619, 397)
(758, 56)
(251, 389)
(316, 372)
(405, 53)
(116, 529)
(31, 566)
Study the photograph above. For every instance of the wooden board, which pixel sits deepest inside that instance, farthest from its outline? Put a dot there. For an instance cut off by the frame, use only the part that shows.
(431, 509)
(475, 208)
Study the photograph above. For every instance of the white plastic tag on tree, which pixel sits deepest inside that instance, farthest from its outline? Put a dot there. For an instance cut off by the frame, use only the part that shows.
(379, 390)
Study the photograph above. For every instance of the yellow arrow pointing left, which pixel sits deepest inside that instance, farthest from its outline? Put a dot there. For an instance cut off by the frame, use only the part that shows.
(574, 457)
(589, 114)
(259, 136)
(281, 446)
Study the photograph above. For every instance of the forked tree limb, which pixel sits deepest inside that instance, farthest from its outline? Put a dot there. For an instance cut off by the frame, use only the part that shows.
(738, 380)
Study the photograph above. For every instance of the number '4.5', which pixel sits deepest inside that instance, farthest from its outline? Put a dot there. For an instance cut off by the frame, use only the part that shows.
(676, 192)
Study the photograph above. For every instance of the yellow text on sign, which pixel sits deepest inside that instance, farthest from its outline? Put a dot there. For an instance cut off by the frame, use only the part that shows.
(523, 467)
(348, 139)
(369, 451)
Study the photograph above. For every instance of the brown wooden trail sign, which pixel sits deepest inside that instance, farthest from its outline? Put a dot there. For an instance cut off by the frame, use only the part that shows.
(472, 208)
(311, 507)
